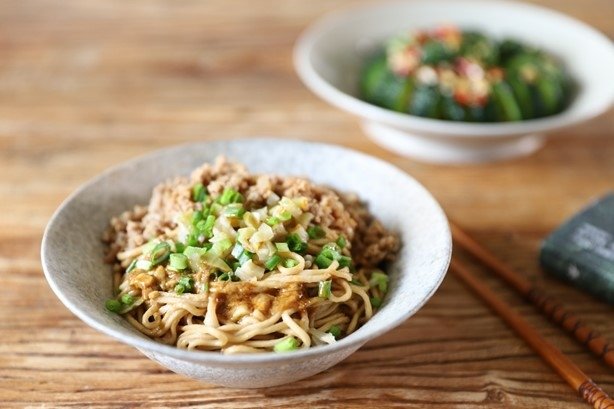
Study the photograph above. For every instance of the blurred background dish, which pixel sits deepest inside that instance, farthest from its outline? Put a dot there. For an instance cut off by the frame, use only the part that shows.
(331, 53)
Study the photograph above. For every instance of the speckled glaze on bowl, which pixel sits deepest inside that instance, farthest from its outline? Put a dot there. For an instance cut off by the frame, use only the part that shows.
(72, 250)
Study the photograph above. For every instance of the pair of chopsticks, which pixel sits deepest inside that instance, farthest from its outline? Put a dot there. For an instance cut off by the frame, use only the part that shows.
(547, 305)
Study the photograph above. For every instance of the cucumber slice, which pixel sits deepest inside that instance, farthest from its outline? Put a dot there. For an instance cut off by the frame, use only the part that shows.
(425, 101)
(452, 110)
(550, 94)
(375, 70)
(505, 103)
(523, 97)
(435, 52)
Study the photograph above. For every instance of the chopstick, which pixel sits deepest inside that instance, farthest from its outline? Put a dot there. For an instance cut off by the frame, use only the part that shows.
(573, 375)
(552, 308)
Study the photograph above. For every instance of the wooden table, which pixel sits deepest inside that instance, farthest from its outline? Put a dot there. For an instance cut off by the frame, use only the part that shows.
(86, 85)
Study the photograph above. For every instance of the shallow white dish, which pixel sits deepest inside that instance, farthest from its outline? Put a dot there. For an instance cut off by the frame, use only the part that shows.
(72, 250)
(329, 55)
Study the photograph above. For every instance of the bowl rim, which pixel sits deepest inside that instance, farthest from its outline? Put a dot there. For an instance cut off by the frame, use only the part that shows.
(440, 267)
(437, 127)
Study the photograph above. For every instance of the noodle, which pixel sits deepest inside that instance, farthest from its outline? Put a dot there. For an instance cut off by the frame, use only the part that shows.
(243, 263)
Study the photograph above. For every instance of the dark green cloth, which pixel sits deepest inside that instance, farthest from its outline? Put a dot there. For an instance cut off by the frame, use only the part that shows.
(582, 250)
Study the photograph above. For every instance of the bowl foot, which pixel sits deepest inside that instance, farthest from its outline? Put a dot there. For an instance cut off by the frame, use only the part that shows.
(456, 150)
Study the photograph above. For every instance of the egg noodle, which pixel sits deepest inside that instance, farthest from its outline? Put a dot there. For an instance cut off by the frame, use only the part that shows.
(234, 277)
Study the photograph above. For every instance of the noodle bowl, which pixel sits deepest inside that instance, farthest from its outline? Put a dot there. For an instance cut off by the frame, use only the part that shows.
(239, 263)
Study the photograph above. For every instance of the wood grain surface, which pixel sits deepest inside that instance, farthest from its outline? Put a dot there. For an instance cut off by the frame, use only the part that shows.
(87, 84)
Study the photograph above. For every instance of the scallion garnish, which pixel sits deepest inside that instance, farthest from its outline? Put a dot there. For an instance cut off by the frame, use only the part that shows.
(234, 210)
(335, 331)
(207, 227)
(331, 251)
(143, 265)
(285, 216)
(187, 283)
(324, 289)
(315, 232)
(341, 242)
(245, 257)
(272, 262)
(199, 193)
(127, 299)
(272, 221)
(224, 277)
(179, 289)
(322, 261)
(230, 196)
(132, 266)
(237, 250)
(282, 247)
(345, 261)
(178, 261)
(160, 253)
(113, 305)
(289, 263)
(197, 216)
(179, 247)
(286, 345)
(296, 244)
(380, 280)
(376, 302)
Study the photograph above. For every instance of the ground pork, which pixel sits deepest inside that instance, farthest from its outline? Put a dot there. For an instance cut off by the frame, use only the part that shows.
(371, 242)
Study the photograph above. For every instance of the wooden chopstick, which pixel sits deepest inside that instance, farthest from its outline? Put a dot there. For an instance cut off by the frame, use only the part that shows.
(573, 375)
(552, 308)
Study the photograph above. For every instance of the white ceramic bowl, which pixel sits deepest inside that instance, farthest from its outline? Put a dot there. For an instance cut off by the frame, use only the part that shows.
(72, 250)
(329, 55)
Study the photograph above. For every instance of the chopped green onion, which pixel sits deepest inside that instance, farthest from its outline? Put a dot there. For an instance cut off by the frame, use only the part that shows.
(220, 248)
(285, 216)
(335, 331)
(272, 221)
(380, 280)
(207, 229)
(245, 257)
(356, 282)
(199, 193)
(178, 261)
(272, 262)
(316, 232)
(143, 265)
(230, 196)
(149, 246)
(127, 299)
(113, 305)
(289, 263)
(192, 239)
(282, 247)
(324, 289)
(296, 244)
(180, 289)
(224, 277)
(235, 265)
(322, 261)
(376, 302)
(132, 266)
(332, 251)
(237, 250)
(197, 216)
(341, 242)
(187, 283)
(234, 210)
(286, 345)
(179, 247)
(345, 261)
(160, 253)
